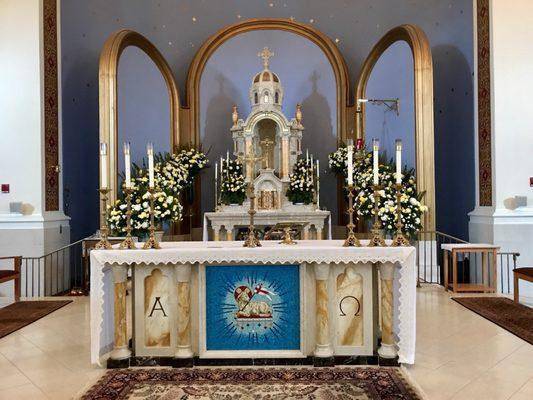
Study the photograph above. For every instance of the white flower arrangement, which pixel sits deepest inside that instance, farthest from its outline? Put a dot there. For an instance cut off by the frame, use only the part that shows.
(233, 185)
(411, 200)
(172, 174)
(301, 185)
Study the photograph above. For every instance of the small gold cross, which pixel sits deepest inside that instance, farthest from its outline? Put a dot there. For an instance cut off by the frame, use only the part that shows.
(265, 55)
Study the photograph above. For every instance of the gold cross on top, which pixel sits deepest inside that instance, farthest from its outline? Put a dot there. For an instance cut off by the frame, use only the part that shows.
(265, 55)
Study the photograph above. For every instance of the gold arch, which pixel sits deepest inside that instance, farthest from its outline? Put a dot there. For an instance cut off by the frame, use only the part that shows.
(108, 93)
(209, 47)
(423, 98)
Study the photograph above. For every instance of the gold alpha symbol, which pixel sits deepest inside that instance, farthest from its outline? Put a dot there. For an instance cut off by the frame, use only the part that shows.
(265, 55)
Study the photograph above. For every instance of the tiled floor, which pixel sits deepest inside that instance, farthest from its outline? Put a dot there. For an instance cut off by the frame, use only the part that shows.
(460, 355)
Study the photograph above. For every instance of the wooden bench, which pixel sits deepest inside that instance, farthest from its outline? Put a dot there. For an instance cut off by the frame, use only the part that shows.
(525, 273)
(12, 274)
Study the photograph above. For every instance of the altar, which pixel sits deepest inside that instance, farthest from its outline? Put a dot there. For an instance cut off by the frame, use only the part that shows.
(193, 301)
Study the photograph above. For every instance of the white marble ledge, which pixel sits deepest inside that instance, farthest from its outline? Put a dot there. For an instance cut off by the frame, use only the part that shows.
(308, 251)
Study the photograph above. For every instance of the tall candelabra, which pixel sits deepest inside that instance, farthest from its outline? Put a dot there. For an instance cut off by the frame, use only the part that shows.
(252, 240)
(128, 243)
(103, 244)
(399, 238)
(376, 240)
(351, 239)
(152, 242)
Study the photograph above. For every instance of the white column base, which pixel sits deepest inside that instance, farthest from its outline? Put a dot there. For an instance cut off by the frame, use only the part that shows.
(323, 351)
(387, 351)
(120, 353)
(184, 352)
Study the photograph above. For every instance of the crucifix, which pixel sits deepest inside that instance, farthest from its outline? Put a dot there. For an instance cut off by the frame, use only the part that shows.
(265, 55)
(252, 240)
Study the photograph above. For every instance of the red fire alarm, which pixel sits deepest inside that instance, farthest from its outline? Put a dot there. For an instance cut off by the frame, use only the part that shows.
(5, 187)
(531, 181)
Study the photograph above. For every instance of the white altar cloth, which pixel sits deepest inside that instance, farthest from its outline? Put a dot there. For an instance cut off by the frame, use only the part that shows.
(310, 251)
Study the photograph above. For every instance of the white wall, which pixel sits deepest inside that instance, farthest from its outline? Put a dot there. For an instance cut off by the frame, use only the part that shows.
(512, 55)
(512, 134)
(22, 137)
(21, 160)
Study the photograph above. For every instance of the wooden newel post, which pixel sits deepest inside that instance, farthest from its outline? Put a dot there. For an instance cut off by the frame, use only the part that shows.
(323, 347)
(120, 345)
(184, 347)
(388, 347)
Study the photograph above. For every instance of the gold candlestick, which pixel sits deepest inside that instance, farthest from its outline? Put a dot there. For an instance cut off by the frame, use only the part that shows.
(128, 243)
(103, 244)
(152, 242)
(351, 239)
(399, 238)
(376, 239)
(252, 240)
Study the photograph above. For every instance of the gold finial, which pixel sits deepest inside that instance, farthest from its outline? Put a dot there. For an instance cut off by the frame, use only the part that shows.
(265, 55)
(298, 113)
(235, 116)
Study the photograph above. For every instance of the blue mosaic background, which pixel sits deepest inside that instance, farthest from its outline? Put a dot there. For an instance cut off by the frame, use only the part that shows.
(225, 332)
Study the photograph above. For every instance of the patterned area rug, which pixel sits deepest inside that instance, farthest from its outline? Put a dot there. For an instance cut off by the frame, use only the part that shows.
(259, 383)
(513, 317)
(22, 313)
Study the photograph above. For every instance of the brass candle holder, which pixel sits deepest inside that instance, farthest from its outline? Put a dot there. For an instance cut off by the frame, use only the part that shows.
(128, 243)
(252, 240)
(376, 240)
(399, 238)
(351, 239)
(103, 244)
(152, 242)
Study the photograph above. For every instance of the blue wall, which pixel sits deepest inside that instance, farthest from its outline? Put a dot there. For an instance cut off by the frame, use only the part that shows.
(179, 27)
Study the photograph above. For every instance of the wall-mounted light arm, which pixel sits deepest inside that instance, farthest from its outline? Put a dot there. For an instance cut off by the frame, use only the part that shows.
(391, 104)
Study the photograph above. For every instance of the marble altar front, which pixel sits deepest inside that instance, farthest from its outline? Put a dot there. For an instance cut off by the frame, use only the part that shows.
(219, 300)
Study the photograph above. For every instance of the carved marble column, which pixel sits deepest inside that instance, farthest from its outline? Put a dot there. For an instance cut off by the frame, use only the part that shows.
(305, 233)
(120, 345)
(184, 346)
(323, 347)
(229, 232)
(319, 232)
(285, 158)
(216, 232)
(388, 347)
(248, 165)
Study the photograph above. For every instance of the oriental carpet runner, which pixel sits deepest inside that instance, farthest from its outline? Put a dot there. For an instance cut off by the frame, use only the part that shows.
(260, 383)
(513, 317)
(22, 313)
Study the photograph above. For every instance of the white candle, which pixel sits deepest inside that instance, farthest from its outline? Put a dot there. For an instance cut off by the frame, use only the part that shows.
(127, 165)
(375, 146)
(307, 156)
(317, 184)
(312, 163)
(398, 161)
(349, 163)
(103, 165)
(216, 184)
(150, 151)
